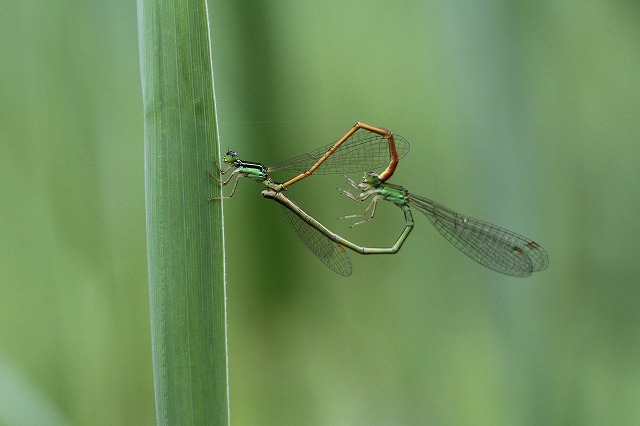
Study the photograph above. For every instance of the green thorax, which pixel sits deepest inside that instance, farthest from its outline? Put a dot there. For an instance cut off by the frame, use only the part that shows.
(394, 193)
(251, 170)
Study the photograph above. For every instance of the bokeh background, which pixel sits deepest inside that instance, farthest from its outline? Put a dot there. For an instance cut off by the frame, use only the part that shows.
(523, 114)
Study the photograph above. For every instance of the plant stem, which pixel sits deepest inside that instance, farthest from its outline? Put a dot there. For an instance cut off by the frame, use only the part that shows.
(184, 230)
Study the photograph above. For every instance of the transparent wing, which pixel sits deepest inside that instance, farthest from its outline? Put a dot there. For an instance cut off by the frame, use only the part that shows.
(494, 247)
(362, 151)
(331, 254)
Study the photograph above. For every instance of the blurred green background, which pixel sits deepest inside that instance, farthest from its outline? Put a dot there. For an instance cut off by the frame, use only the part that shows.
(523, 114)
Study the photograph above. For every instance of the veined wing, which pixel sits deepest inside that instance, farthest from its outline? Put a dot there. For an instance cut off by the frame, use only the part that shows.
(494, 247)
(361, 151)
(331, 254)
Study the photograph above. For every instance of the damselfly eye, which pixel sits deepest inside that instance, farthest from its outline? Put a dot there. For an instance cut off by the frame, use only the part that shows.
(371, 177)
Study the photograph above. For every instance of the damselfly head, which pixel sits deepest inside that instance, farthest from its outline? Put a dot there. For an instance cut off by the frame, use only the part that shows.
(230, 157)
(371, 178)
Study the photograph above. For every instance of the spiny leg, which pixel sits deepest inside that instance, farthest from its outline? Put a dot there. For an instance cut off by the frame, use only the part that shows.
(352, 183)
(348, 194)
(220, 171)
(211, 175)
(372, 206)
(233, 189)
(223, 171)
(362, 194)
(225, 182)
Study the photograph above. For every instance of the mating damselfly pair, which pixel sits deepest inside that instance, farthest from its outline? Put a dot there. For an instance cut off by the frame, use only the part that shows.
(365, 148)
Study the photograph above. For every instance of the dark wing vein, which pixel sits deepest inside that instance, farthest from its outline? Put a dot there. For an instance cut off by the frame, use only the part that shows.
(362, 151)
(329, 253)
(494, 247)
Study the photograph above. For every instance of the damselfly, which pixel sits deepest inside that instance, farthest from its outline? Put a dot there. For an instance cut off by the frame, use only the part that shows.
(363, 147)
(490, 245)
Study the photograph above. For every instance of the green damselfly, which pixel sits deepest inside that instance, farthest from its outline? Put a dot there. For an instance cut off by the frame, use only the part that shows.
(490, 245)
(363, 147)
